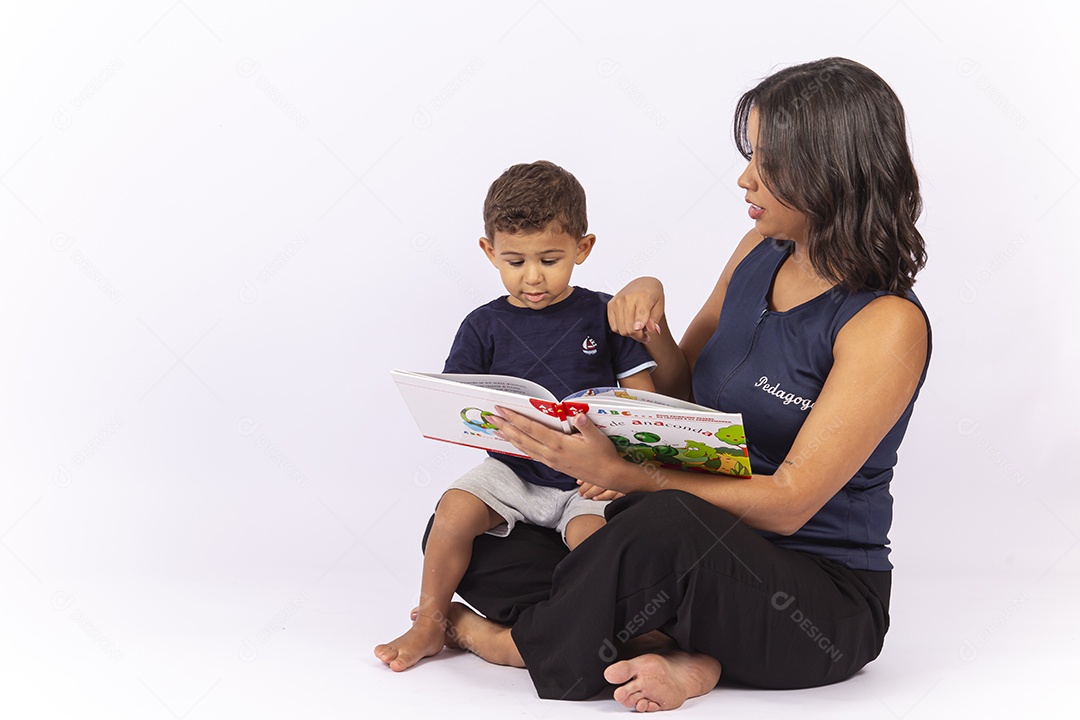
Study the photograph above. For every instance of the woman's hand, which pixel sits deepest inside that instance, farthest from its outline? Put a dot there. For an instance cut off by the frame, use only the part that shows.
(637, 309)
(587, 455)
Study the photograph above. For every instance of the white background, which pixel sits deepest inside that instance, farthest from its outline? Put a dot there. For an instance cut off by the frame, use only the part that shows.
(224, 223)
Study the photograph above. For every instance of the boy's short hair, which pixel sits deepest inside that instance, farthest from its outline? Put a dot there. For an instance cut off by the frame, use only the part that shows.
(530, 196)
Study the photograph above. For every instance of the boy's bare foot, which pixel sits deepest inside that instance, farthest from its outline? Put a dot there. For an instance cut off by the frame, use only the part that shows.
(450, 641)
(425, 638)
(662, 682)
(479, 635)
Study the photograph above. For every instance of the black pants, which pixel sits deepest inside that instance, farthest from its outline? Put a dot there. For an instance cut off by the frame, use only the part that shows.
(669, 561)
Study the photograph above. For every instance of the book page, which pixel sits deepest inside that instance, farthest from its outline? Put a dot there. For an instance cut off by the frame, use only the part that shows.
(460, 412)
(501, 383)
(645, 427)
(626, 397)
(693, 444)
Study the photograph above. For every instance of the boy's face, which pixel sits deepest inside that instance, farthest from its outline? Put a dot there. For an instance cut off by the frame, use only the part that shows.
(536, 267)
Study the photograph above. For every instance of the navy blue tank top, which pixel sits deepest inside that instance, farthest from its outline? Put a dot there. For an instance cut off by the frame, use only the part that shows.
(770, 366)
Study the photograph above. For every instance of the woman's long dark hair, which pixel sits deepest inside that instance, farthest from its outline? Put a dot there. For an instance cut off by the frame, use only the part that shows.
(832, 144)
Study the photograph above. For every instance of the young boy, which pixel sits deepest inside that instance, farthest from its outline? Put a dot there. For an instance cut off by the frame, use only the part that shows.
(549, 332)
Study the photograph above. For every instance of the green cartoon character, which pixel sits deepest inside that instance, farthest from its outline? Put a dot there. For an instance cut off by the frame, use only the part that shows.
(695, 453)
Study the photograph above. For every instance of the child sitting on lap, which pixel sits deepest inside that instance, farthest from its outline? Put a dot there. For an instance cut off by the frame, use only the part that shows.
(546, 331)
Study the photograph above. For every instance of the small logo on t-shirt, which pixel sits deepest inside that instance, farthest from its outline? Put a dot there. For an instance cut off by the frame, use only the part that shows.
(589, 346)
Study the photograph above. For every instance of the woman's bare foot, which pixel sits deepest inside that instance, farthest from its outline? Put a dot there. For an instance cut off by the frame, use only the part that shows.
(479, 635)
(425, 638)
(662, 682)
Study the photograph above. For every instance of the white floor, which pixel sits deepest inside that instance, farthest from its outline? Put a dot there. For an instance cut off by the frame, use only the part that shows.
(298, 645)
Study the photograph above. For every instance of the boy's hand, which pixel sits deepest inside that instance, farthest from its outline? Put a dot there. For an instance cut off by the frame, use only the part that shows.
(637, 309)
(595, 492)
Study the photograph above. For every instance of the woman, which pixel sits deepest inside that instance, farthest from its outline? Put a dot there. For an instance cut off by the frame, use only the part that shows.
(812, 332)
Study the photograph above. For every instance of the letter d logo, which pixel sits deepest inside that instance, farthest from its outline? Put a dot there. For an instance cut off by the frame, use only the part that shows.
(968, 293)
(247, 67)
(607, 67)
(782, 601)
(967, 67)
(61, 118)
(248, 292)
(247, 426)
(422, 119)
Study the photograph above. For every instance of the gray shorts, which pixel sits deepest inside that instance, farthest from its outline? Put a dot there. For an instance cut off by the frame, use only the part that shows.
(518, 501)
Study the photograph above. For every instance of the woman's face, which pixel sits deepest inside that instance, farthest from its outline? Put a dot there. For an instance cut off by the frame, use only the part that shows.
(771, 217)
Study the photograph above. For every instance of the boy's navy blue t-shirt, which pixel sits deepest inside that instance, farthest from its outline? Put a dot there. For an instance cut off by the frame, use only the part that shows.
(566, 347)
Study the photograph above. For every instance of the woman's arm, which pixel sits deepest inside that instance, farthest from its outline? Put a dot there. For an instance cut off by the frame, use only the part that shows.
(639, 381)
(879, 356)
(637, 311)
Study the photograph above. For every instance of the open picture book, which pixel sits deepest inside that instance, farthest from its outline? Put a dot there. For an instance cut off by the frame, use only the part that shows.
(644, 426)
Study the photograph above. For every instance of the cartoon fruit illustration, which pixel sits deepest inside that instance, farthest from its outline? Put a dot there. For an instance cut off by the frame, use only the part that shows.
(732, 435)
